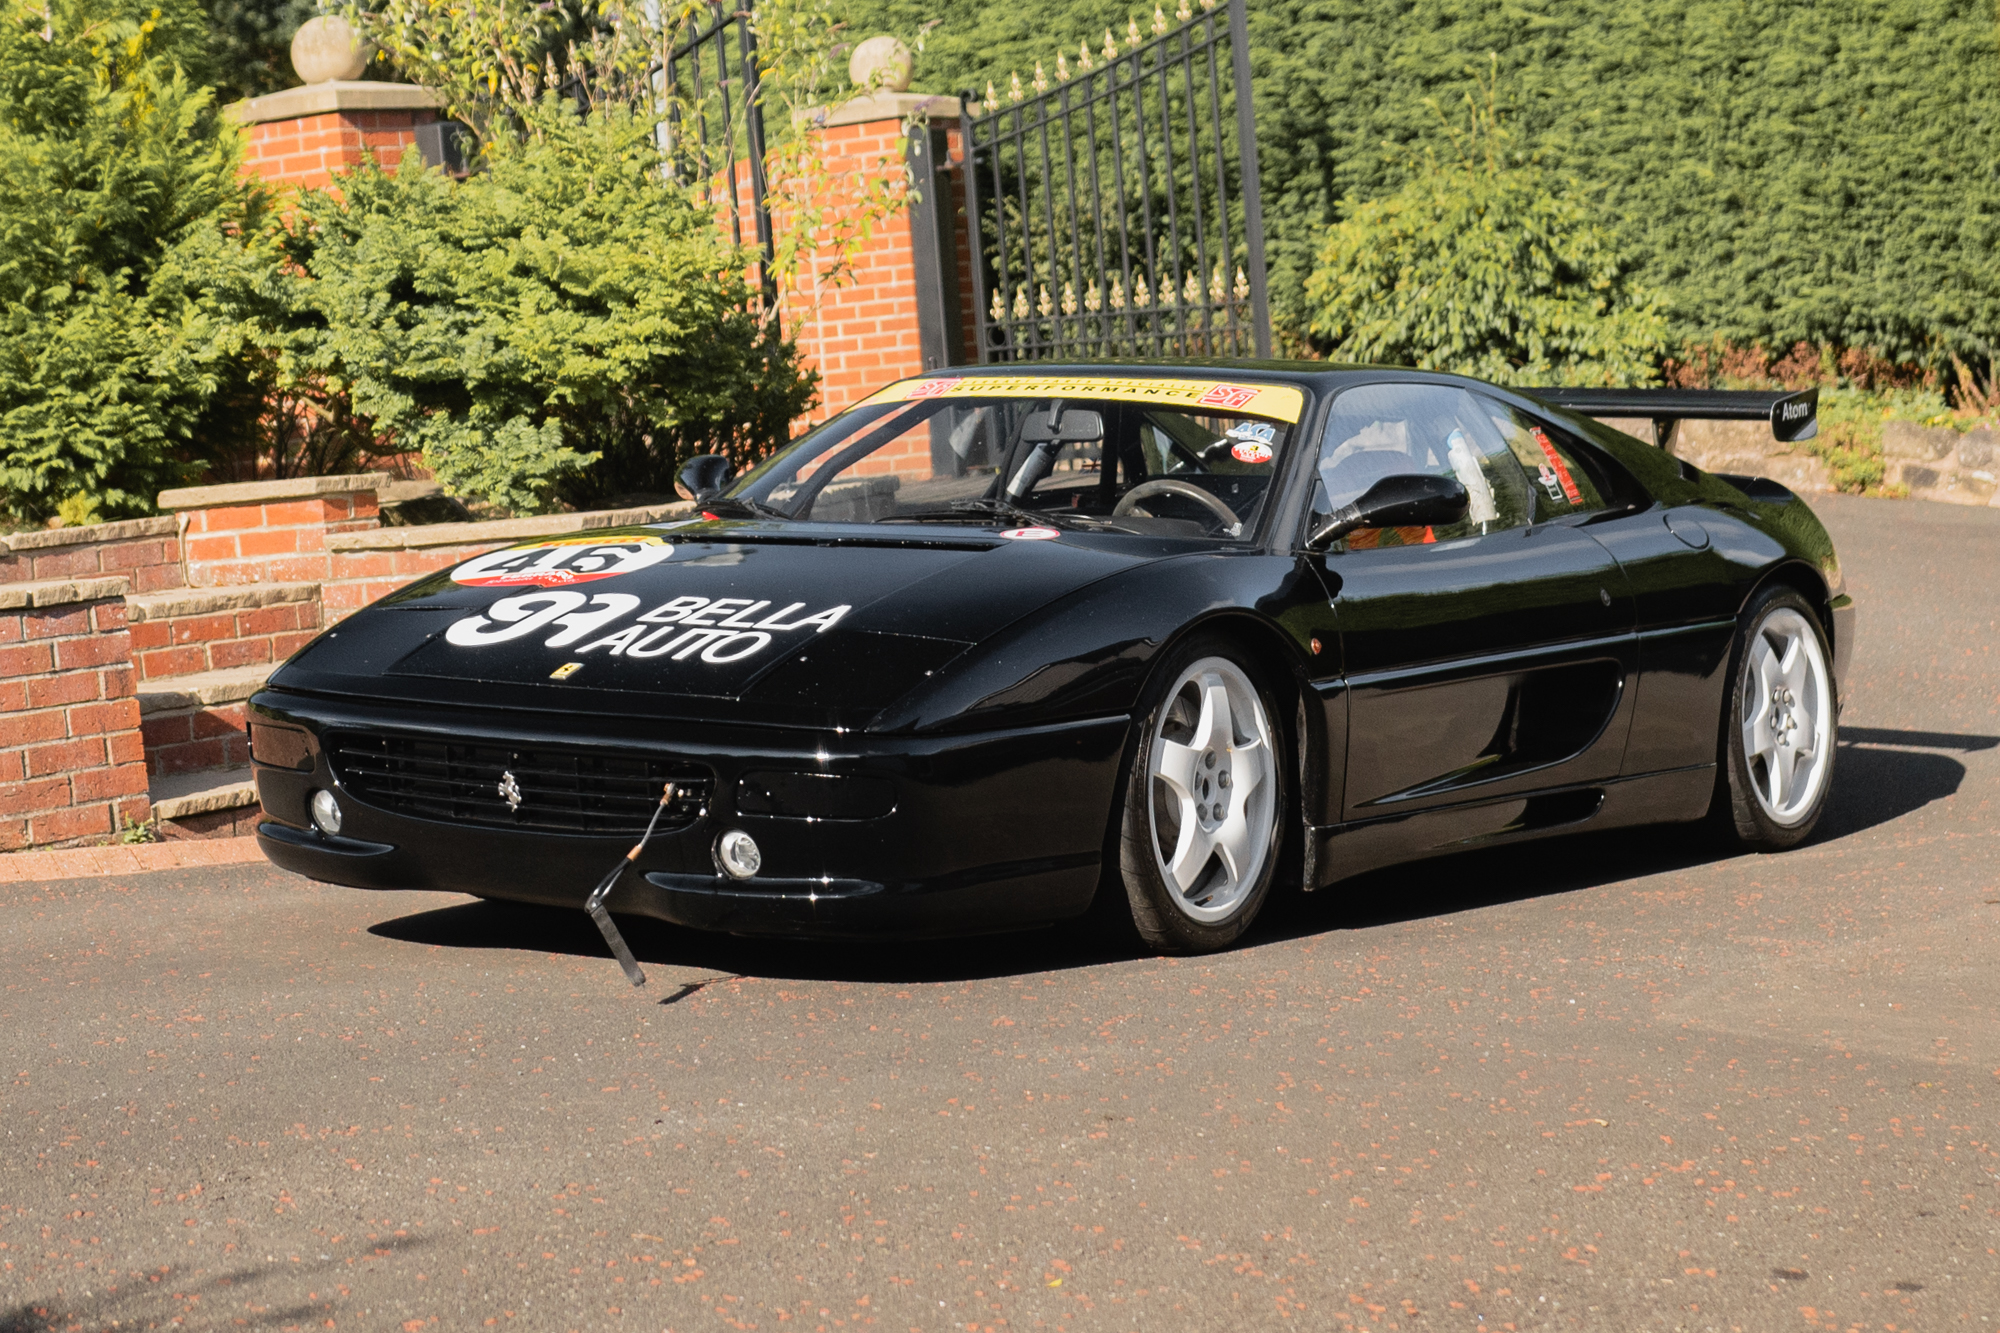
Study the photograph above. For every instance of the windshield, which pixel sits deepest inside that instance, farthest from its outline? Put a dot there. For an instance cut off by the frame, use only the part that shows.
(1159, 457)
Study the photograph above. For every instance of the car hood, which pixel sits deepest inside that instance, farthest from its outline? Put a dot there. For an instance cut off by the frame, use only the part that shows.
(762, 622)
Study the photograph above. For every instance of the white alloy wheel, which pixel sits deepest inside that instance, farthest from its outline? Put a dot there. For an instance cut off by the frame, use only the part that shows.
(1212, 790)
(1787, 716)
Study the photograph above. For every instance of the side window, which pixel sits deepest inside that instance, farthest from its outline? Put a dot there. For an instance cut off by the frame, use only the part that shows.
(1384, 430)
(1563, 482)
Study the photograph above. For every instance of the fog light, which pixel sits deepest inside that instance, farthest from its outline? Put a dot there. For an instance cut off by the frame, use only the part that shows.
(326, 814)
(736, 852)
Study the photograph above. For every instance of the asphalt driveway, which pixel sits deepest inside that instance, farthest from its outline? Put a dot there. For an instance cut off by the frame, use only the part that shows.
(1616, 1083)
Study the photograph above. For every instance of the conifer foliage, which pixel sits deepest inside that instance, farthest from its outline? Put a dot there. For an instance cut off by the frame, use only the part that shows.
(1776, 170)
(120, 218)
(1483, 263)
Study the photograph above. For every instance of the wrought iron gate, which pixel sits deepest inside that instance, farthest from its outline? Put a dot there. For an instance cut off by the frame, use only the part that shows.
(713, 134)
(1116, 211)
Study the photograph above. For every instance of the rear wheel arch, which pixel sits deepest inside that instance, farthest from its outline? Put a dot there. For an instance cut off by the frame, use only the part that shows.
(1803, 579)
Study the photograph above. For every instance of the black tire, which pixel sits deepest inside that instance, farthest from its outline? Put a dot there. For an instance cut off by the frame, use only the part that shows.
(1166, 918)
(1745, 813)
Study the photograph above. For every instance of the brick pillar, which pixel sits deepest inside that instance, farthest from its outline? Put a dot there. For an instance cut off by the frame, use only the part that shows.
(71, 758)
(867, 330)
(302, 136)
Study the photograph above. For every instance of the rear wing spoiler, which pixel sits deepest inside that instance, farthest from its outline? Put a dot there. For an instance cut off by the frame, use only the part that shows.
(1793, 416)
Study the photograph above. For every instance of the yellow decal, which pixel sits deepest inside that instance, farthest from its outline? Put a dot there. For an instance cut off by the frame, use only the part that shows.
(1275, 402)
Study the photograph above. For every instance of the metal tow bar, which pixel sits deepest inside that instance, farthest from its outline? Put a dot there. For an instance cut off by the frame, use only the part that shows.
(594, 904)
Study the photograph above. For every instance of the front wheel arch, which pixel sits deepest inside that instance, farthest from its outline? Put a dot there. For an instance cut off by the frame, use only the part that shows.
(1263, 652)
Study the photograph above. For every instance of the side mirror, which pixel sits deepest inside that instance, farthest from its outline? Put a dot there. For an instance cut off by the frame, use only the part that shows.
(705, 475)
(1406, 500)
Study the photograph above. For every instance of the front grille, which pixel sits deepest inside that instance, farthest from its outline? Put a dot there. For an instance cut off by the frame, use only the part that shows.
(560, 789)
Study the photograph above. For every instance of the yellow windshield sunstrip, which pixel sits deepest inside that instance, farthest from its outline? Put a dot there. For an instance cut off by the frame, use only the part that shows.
(1274, 402)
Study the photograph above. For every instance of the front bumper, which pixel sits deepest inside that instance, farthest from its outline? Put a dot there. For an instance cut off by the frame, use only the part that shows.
(993, 831)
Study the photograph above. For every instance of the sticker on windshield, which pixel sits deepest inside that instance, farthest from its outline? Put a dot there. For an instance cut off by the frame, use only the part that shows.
(1251, 451)
(561, 561)
(1277, 402)
(1561, 470)
(1228, 395)
(1030, 534)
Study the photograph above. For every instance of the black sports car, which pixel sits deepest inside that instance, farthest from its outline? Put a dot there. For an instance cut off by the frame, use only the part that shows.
(995, 642)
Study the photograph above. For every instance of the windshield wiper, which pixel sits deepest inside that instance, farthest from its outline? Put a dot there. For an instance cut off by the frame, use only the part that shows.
(742, 507)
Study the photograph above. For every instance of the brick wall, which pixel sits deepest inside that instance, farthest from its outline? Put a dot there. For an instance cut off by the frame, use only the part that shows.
(270, 532)
(145, 551)
(180, 636)
(71, 761)
(369, 565)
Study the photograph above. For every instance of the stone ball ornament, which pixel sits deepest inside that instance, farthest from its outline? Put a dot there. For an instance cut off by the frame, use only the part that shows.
(880, 64)
(328, 48)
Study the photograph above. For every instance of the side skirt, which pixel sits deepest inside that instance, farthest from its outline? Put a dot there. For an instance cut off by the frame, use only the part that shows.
(1341, 850)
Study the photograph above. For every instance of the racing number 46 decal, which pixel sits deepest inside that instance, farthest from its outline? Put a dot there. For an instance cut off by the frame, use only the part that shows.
(562, 561)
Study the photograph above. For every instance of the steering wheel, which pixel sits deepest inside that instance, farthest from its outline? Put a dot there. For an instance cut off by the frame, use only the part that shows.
(1130, 501)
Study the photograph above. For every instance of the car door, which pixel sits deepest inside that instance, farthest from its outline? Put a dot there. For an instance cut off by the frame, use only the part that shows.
(1686, 564)
(1483, 659)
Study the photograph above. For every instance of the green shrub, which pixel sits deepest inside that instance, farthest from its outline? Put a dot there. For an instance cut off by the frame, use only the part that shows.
(119, 208)
(565, 326)
(1486, 264)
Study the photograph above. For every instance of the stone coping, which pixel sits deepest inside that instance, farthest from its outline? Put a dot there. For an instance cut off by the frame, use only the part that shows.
(267, 492)
(126, 530)
(206, 601)
(497, 531)
(203, 689)
(60, 592)
(317, 99)
(187, 794)
(887, 106)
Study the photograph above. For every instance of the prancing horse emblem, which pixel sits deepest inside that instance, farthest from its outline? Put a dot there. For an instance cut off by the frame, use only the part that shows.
(510, 791)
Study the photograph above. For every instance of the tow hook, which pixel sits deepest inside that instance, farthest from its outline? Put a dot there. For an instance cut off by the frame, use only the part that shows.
(594, 904)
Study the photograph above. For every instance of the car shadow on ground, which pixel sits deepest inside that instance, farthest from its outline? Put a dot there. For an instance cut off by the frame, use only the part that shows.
(165, 1302)
(1879, 776)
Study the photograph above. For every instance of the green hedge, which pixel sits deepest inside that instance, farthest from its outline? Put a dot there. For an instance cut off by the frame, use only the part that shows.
(1777, 170)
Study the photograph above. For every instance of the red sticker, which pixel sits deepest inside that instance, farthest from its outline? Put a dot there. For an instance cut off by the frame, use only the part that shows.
(1561, 469)
(1251, 451)
(1228, 395)
(932, 388)
(1030, 534)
